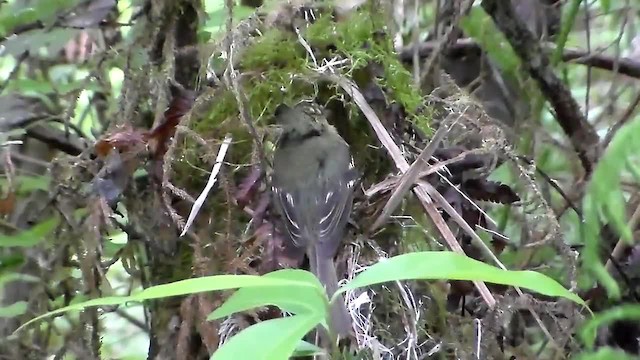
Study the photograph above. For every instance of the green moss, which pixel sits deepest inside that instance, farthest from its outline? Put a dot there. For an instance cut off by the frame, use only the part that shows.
(276, 69)
(356, 38)
(274, 49)
(224, 107)
(268, 67)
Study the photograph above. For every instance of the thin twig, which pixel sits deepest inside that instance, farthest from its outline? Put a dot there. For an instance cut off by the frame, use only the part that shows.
(389, 183)
(231, 79)
(212, 180)
(409, 178)
(402, 164)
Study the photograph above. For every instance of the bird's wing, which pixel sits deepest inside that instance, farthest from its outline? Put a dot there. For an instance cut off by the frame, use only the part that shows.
(334, 204)
(324, 222)
(286, 202)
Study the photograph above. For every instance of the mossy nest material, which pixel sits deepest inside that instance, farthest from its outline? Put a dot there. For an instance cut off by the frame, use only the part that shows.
(277, 68)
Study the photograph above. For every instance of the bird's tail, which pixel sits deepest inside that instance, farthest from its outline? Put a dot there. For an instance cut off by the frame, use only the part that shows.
(324, 269)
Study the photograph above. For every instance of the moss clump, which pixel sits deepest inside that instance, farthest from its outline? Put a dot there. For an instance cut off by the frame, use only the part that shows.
(224, 107)
(268, 70)
(276, 69)
(352, 38)
(275, 49)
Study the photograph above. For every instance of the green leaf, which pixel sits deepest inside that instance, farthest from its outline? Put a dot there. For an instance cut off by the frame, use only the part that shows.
(13, 310)
(30, 237)
(604, 202)
(307, 299)
(269, 340)
(449, 265)
(217, 16)
(605, 5)
(22, 16)
(13, 276)
(27, 184)
(78, 85)
(307, 349)
(615, 211)
(591, 260)
(623, 312)
(567, 24)
(480, 26)
(182, 287)
(30, 86)
(53, 40)
(634, 170)
(605, 353)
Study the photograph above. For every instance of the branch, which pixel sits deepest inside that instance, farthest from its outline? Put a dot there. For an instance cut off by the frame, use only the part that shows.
(468, 46)
(56, 138)
(580, 132)
(623, 66)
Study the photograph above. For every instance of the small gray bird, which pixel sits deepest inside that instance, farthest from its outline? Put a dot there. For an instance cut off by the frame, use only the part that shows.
(313, 184)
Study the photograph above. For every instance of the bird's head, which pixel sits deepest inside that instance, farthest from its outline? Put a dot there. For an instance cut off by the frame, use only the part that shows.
(302, 118)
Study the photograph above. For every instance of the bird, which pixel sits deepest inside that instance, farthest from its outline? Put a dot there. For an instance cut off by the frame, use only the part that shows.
(313, 183)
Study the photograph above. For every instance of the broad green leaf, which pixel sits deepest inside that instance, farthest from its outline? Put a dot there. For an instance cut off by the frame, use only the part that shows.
(182, 287)
(15, 309)
(78, 85)
(449, 265)
(615, 210)
(603, 202)
(307, 349)
(9, 21)
(13, 276)
(634, 170)
(566, 25)
(605, 5)
(479, 26)
(591, 258)
(294, 299)
(22, 12)
(605, 353)
(53, 40)
(268, 340)
(30, 237)
(27, 184)
(623, 312)
(30, 86)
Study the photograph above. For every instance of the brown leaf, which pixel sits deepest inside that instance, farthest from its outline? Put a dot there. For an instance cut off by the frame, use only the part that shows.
(181, 103)
(125, 139)
(8, 203)
(470, 161)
